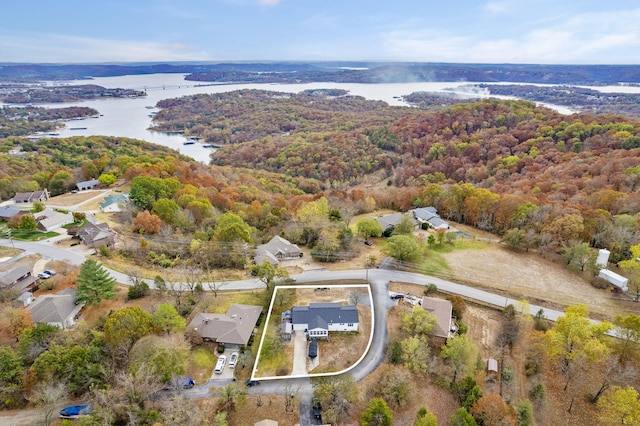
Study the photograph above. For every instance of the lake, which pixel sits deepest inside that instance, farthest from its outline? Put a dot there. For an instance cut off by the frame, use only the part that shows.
(131, 117)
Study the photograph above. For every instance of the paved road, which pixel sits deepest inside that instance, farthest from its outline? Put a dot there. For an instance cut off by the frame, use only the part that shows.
(379, 279)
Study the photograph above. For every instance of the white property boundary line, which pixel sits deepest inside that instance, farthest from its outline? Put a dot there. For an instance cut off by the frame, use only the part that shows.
(264, 333)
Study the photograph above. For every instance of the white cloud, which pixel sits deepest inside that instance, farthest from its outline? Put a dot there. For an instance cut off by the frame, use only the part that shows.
(497, 7)
(608, 37)
(61, 48)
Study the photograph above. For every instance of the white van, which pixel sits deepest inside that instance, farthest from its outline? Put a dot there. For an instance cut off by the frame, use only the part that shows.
(233, 360)
(222, 360)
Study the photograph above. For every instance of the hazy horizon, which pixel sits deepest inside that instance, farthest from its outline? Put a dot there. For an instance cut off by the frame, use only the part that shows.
(573, 32)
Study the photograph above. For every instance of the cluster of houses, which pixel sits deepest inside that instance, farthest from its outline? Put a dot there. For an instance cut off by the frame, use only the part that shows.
(19, 282)
(59, 309)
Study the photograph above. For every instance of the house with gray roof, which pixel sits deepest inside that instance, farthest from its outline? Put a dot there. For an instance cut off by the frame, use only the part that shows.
(14, 276)
(58, 309)
(318, 319)
(277, 249)
(389, 221)
(234, 328)
(87, 184)
(7, 212)
(442, 310)
(49, 219)
(97, 235)
(429, 215)
(31, 197)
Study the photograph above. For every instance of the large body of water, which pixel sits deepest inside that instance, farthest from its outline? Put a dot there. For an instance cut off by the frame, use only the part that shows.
(130, 117)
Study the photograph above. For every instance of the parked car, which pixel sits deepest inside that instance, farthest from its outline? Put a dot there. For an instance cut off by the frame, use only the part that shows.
(316, 408)
(44, 275)
(313, 349)
(75, 411)
(187, 383)
(51, 272)
(222, 360)
(368, 243)
(251, 383)
(397, 296)
(233, 360)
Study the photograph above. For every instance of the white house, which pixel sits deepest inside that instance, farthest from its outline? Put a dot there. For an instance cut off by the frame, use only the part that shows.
(318, 319)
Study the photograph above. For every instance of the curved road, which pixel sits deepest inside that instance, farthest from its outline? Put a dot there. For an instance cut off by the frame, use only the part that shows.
(378, 278)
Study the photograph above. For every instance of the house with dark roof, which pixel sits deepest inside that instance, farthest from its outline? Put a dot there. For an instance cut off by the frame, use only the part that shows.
(277, 249)
(59, 309)
(429, 215)
(442, 310)
(87, 184)
(318, 319)
(49, 219)
(97, 235)
(31, 197)
(234, 328)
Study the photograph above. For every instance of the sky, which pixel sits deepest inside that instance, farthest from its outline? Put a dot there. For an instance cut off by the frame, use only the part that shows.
(462, 31)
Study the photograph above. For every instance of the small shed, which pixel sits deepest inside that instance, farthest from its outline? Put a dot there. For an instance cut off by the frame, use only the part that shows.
(492, 368)
(24, 300)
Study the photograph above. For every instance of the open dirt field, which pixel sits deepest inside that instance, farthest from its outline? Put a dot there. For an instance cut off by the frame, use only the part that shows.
(531, 277)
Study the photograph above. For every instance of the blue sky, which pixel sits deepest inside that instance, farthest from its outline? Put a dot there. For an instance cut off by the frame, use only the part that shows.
(477, 31)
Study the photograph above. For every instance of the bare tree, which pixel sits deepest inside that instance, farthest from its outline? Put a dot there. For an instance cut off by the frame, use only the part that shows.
(49, 395)
(289, 397)
(214, 287)
(355, 297)
(192, 276)
(182, 411)
(176, 289)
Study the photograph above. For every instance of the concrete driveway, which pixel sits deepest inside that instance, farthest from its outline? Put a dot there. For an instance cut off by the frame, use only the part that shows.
(299, 354)
(228, 372)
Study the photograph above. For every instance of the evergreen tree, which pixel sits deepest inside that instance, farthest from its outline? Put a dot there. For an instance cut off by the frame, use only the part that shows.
(94, 283)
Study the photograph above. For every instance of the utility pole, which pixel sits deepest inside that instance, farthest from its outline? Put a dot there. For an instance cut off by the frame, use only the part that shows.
(366, 268)
(10, 236)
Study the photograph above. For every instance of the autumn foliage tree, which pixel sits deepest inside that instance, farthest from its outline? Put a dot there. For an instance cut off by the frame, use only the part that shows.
(620, 406)
(147, 223)
(491, 410)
